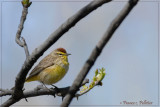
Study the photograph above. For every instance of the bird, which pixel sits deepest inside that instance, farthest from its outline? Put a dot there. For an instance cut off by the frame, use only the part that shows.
(51, 68)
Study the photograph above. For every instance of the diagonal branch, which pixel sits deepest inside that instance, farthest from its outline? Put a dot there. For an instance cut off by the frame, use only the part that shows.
(96, 52)
(20, 79)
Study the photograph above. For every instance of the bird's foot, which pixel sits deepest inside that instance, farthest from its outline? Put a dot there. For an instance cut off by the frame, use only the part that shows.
(56, 88)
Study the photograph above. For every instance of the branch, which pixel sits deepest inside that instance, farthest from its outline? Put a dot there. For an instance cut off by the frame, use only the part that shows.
(5, 92)
(39, 91)
(96, 84)
(96, 52)
(20, 40)
(20, 79)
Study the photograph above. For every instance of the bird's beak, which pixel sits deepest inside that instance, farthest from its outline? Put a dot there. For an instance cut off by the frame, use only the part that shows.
(68, 54)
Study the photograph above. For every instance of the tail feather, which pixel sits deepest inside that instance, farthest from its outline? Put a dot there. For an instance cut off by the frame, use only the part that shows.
(29, 79)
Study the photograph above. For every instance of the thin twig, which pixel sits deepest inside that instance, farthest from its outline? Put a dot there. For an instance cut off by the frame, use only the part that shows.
(96, 52)
(5, 92)
(25, 47)
(86, 91)
(85, 82)
(20, 40)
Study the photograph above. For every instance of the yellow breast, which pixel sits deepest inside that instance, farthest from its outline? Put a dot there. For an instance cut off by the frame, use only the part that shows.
(53, 73)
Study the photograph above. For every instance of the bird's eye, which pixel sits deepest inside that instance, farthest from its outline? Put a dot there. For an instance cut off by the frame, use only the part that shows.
(60, 54)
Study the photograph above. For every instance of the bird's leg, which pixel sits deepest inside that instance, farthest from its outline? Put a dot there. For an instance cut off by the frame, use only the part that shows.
(45, 86)
(56, 88)
(51, 88)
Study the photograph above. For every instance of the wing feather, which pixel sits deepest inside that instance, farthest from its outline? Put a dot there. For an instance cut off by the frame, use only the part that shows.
(44, 63)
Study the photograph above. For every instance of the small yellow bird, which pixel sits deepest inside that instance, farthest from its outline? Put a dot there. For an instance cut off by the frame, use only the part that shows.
(51, 69)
